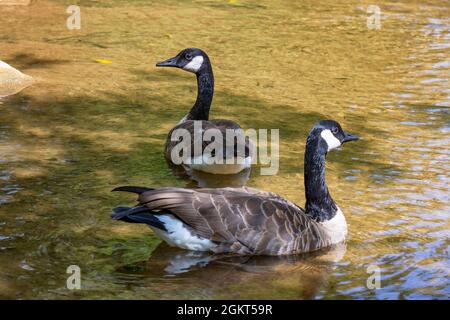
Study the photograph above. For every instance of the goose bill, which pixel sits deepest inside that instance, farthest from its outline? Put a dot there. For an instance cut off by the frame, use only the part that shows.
(350, 137)
(172, 62)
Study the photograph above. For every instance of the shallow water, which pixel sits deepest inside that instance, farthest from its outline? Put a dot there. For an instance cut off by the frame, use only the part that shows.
(87, 127)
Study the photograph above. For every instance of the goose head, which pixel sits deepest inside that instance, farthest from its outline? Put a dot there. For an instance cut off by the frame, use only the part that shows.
(191, 59)
(329, 135)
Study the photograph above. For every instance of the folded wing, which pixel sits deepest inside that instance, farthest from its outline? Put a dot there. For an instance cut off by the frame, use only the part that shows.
(239, 220)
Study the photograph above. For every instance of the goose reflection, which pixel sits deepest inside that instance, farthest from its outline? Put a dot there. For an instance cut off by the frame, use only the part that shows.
(302, 276)
(199, 179)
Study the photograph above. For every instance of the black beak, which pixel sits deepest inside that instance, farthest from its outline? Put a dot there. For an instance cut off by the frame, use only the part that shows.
(349, 137)
(172, 62)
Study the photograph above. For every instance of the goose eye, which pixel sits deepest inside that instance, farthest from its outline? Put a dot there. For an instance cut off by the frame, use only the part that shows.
(188, 56)
(334, 130)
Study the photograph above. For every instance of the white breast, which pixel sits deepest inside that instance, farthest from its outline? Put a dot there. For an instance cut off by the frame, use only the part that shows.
(336, 228)
(178, 235)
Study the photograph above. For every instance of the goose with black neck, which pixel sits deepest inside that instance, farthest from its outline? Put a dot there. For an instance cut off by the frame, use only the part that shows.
(197, 121)
(247, 220)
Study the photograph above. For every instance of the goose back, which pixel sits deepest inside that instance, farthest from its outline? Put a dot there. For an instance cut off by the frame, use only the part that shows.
(230, 147)
(239, 220)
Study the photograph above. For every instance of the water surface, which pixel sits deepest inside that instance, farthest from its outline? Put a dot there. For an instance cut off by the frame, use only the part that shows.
(87, 127)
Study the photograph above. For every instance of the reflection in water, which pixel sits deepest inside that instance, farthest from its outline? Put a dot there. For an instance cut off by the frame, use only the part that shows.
(199, 179)
(307, 274)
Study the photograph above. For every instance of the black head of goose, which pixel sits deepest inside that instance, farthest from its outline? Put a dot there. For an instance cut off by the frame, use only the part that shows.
(196, 122)
(246, 220)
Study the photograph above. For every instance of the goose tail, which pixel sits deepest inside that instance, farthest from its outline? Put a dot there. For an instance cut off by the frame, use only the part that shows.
(139, 214)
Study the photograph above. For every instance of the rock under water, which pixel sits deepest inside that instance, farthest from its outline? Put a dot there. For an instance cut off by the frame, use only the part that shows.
(12, 80)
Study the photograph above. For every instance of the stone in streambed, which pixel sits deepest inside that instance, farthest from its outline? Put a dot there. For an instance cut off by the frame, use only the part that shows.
(12, 80)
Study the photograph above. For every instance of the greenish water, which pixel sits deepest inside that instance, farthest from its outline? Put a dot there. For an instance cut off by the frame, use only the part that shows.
(86, 127)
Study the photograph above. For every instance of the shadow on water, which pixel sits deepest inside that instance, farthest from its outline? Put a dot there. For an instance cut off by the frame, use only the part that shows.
(213, 4)
(29, 60)
(124, 135)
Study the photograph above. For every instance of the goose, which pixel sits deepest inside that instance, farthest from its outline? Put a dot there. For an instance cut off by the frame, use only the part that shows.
(12, 80)
(196, 122)
(245, 220)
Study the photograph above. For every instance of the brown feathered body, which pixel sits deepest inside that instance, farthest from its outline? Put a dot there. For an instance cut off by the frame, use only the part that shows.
(239, 150)
(234, 220)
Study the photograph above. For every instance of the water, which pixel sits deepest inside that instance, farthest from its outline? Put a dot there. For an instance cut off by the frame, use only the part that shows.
(87, 127)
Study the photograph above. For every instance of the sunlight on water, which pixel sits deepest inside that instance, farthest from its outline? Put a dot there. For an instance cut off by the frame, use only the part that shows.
(86, 127)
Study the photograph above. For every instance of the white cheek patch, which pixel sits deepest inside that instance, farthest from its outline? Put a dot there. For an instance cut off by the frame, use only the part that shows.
(194, 65)
(331, 140)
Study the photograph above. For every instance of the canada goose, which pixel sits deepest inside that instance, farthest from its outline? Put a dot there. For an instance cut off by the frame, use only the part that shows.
(246, 220)
(12, 80)
(196, 122)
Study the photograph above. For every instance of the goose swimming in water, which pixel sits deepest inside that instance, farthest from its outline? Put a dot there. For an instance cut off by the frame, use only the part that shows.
(245, 220)
(196, 122)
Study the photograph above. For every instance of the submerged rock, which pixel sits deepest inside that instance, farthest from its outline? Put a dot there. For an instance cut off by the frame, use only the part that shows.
(12, 80)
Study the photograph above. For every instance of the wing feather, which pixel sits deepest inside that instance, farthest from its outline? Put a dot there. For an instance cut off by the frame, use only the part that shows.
(196, 133)
(239, 220)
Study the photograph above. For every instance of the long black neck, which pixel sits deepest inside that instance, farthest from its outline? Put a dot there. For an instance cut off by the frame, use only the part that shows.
(205, 85)
(319, 204)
